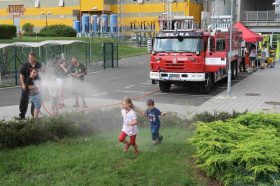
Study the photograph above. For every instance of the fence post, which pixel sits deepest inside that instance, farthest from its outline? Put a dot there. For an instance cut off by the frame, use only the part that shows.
(267, 18)
(257, 17)
(112, 54)
(117, 54)
(247, 17)
(103, 45)
(15, 64)
(86, 54)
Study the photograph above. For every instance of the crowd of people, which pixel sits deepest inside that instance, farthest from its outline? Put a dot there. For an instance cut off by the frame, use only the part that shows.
(252, 55)
(32, 85)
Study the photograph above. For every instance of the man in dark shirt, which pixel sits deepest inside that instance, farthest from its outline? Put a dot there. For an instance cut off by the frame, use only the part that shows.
(78, 71)
(24, 74)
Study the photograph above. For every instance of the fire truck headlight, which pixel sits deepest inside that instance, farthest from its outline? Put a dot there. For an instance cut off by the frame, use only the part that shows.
(154, 74)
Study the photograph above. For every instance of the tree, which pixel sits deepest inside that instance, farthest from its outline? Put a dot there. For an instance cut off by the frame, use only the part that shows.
(28, 28)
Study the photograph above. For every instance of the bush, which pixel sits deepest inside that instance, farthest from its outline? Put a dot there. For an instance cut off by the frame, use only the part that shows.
(240, 151)
(19, 133)
(32, 34)
(58, 31)
(7, 31)
(28, 28)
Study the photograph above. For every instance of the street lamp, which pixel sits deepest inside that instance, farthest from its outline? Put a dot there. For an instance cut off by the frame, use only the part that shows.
(229, 57)
(89, 22)
(46, 17)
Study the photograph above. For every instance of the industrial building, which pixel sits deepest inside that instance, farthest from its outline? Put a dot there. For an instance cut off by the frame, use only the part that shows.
(49, 12)
(255, 14)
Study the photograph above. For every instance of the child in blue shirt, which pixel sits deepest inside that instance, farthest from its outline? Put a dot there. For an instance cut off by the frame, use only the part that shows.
(153, 113)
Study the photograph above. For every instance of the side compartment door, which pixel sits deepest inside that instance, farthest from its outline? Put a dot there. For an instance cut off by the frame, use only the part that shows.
(216, 54)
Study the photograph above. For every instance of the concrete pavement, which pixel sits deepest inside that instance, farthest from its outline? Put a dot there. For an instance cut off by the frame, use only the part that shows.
(258, 92)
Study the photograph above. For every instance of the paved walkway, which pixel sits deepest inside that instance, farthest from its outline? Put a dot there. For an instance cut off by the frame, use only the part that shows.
(252, 94)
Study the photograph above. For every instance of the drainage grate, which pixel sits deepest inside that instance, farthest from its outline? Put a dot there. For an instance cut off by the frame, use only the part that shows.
(252, 94)
(272, 103)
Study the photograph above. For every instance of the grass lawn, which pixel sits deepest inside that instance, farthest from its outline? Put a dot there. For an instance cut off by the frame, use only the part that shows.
(100, 160)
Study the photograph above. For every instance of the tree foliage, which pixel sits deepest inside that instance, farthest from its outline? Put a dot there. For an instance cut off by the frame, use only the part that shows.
(28, 28)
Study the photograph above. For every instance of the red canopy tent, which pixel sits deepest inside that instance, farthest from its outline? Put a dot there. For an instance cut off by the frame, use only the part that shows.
(248, 35)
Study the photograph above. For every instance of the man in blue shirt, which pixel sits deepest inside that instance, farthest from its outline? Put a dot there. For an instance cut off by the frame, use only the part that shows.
(153, 113)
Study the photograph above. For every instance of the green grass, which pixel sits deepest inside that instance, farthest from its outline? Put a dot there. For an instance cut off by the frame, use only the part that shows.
(100, 160)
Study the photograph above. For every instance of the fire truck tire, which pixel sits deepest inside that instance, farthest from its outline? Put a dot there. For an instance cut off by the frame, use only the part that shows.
(164, 86)
(205, 87)
(153, 81)
(233, 70)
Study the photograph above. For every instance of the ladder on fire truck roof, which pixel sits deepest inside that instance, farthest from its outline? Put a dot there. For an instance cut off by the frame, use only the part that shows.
(178, 23)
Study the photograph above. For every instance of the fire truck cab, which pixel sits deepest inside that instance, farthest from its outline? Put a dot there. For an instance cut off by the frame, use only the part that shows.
(190, 57)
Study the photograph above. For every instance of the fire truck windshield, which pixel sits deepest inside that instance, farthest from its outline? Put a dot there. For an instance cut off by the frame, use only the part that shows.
(174, 45)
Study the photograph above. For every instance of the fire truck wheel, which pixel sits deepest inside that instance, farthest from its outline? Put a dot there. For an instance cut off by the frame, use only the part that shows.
(205, 87)
(233, 70)
(153, 81)
(164, 86)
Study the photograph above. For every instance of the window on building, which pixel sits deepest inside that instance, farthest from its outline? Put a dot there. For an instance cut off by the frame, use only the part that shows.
(16, 8)
(61, 2)
(36, 3)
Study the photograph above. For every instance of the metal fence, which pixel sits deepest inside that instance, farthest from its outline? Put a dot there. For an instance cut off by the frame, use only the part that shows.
(261, 18)
(110, 55)
(12, 58)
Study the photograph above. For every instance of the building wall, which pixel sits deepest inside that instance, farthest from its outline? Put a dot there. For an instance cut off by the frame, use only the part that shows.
(147, 12)
(32, 14)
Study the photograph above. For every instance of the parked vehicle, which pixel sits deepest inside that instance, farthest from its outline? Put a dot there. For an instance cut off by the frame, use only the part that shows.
(188, 57)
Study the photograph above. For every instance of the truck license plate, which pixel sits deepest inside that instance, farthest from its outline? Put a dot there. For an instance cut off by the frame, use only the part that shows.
(175, 78)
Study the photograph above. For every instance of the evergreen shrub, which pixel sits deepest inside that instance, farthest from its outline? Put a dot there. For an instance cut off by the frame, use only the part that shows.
(58, 31)
(7, 31)
(28, 28)
(240, 151)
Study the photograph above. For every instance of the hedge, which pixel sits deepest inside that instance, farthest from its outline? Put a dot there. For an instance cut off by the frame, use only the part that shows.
(58, 31)
(241, 151)
(7, 31)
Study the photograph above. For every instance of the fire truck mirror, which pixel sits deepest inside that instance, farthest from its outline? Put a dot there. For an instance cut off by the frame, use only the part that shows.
(180, 39)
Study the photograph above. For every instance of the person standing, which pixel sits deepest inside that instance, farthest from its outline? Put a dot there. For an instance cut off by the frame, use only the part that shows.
(24, 74)
(253, 55)
(61, 72)
(33, 84)
(263, 57)
(78, 71)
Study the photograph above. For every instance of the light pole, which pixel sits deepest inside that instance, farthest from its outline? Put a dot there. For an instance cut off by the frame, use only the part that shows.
(89, 22)
(229, 57)
(46, 17)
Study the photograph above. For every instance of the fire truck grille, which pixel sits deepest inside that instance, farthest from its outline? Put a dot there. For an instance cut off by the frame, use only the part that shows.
(179, 65)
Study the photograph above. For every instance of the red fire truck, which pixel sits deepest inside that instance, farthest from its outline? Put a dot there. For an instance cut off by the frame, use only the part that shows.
(189, 57)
